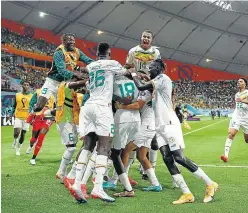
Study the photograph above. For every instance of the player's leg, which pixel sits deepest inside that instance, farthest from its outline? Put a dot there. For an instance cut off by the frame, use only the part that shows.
(169, 161)
(153, 152)
(46, 124)
(17, 130)
(69, 137)
(233, 130)
(35, 134)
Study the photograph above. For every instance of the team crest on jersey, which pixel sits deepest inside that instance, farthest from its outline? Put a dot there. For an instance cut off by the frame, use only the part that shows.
(144, 57)
(171, 140)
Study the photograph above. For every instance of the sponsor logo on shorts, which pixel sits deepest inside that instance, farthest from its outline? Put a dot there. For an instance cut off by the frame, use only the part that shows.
(171, 140)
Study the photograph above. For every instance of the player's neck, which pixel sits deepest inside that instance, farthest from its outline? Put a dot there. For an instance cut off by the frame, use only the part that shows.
(242, 90)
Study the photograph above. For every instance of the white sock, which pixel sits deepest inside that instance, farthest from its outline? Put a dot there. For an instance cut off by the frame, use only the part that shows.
(202, 175)
(152, 177)
(81, 166)
(100, 167)
(109, 166)
(90, 168)
(178, 178)
(19, 146)
(130, 161)
(114, 178)
(125, 181)
(66, 159)
(72, 173)
(228, 146)
(153, 157)
(15, 141)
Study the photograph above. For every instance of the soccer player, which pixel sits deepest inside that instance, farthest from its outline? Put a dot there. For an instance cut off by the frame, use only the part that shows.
(65, 60)
(127, 124)
(169, 133)
(239, 117)
(41, 125)
(140, 58)
(98, 121)
(67, 119)
(20, 111)
(144, 137)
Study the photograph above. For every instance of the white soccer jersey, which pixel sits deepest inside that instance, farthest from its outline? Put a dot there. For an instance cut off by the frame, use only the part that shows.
(141, 58)
(241, 109)
(101, 75)
(123, 88)
(161, 101)
(147, 113)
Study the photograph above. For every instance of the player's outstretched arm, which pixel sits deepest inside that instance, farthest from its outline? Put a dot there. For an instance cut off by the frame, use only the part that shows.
(134, 106)
(141, 86)
(84, 58)
(77, 84)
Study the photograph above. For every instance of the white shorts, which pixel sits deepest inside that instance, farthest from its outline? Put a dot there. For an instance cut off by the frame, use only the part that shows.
(236, 124)
(68, 133)
(50, 88)
(98, 119)
(124, 133)
(144, 136)
(170, 135)
(81, 122)
(21, 124)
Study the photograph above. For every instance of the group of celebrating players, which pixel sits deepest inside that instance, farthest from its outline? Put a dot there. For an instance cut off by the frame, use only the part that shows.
(124, 110)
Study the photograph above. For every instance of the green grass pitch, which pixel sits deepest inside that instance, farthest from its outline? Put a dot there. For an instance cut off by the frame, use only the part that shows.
(34, 189)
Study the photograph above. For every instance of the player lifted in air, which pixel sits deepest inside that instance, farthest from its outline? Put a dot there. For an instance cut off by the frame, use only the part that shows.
(140, 58)
(169, 133)
(41, 125)
(239, 117)
(20, 110)
(65, 61)
(98, 121)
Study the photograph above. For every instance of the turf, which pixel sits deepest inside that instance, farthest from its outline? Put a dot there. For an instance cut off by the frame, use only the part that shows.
(27, 188)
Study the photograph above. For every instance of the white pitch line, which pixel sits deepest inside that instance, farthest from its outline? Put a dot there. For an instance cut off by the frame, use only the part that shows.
(219, 166)
(196, 130)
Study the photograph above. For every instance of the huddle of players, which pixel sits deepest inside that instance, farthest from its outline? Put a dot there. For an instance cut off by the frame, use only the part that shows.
(108, 77)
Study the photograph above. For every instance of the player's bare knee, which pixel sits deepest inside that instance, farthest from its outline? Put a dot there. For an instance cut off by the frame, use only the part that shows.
(231, 135)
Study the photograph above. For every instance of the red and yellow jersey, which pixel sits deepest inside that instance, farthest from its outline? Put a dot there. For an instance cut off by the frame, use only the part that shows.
(22, 105)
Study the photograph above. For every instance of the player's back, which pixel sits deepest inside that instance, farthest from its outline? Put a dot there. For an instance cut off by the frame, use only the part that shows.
(102, 74)
(162, 101)
(123, 88)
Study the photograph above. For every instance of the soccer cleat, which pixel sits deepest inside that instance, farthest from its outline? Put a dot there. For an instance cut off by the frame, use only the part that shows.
(185, 198)
(145, 177)
(29, 149)
(84, 190)
(68, 182)
(108, 185)
(99, 193)
(32, 162)
(124, 194)
(153, 188)
(60, 176)
(132, 182)
(224, 158)
(78, 195)
(18, 152)
(210, 190)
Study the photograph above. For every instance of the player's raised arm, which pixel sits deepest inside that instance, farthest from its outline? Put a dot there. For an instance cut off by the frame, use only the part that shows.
(77, 84)
(84, 58)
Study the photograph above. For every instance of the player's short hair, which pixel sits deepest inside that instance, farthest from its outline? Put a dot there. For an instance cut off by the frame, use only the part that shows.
(148, 31)
(160, 61)
(66, 35)
(245, 80)
(103, 47)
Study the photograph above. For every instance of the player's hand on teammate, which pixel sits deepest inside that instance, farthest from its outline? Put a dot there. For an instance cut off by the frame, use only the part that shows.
(78, 76)
(143, 76)
(118, 105)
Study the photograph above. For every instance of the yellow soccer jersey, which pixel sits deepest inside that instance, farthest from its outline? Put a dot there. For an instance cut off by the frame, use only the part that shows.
(22, 105)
